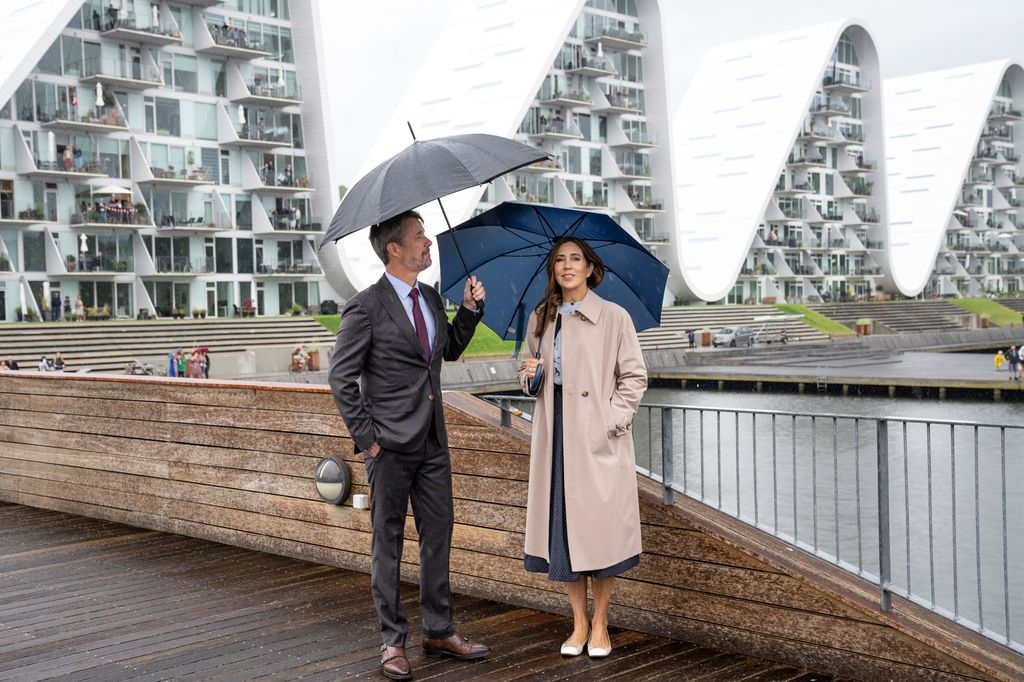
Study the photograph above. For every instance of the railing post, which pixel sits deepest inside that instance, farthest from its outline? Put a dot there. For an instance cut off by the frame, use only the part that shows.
(884, 554)
(667, 494)
(505, 404)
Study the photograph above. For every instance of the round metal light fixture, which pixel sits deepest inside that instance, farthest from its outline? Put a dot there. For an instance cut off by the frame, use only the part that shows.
(333, 480)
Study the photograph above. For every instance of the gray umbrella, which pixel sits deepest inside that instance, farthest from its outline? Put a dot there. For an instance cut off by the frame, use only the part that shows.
(424, 171)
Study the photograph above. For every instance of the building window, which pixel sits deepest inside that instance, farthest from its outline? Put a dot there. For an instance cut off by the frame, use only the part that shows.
(168, 117)
(35, 255)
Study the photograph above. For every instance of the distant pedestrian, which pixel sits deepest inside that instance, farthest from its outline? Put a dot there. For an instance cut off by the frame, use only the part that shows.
(79, 310)
(182, 360)
(691, 338)
(44, 364)
(58, 362)
(1013, 358)
(67, 307)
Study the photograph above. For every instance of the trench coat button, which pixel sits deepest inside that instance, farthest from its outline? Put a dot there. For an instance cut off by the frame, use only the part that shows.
(584, 393)
(430, 397)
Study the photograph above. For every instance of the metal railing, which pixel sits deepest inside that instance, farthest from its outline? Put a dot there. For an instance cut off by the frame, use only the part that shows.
(919, 507)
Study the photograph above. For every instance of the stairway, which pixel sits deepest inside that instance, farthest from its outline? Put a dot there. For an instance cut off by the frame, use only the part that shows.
(676, 321)
(107, 346)
(900, 317)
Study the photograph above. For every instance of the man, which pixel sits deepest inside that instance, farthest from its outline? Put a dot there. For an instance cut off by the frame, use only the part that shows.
(1013, 358)
(386, 379)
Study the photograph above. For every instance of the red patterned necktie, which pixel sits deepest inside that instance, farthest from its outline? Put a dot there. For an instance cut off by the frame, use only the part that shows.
(421, 324)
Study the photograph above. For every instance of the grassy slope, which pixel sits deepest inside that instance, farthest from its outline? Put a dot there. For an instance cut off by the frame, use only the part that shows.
(823, 324)
(999, 315)
(485, 342)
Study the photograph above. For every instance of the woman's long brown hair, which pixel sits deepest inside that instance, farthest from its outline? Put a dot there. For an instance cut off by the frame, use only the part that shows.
(553, 292)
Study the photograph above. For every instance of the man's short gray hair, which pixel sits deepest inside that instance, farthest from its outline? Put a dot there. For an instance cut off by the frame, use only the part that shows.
(388, 232)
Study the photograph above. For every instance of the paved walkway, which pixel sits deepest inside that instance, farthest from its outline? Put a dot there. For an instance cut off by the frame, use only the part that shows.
(86, 599)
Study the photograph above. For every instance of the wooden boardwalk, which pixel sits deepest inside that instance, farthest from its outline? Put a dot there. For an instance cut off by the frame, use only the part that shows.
(82, 599)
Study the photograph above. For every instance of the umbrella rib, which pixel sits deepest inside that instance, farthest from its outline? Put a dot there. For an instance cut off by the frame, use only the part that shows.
(525, 289)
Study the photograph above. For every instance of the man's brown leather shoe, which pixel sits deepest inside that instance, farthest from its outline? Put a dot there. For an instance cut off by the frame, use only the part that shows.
(394, 664)
(455, 646)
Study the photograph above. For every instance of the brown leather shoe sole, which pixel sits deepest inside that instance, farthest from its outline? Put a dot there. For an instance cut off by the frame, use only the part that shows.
(396, 676)
(452, 654)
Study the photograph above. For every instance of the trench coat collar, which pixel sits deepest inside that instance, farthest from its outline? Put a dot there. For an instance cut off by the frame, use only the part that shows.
(590, 308)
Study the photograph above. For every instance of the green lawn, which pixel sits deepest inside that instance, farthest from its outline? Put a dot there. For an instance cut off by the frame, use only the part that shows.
(485, 342)
(823, 324)
(997, 314)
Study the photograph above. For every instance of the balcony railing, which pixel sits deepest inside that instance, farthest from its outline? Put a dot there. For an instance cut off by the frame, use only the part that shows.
(171, 173)
(98, 263)
(802, 159)
(294, 267)
(618, 34)
(112, 215)
(830, 106)
(874, 245)
(129, 23)
(108, 116)
(283, 91)
(200, 265)
(636, 169)
(861, 188)
(653, 236)
(119, 68)
(833, 77)
(569, 96)
(623, 101)
(259, 133)
(232, 36)
(986, 153)
(792, 212)
(186, 221)
(89, 167)
(286, 221)
(997, 132)
(640, 136)
(594, 63)
(285, 179)
(867, 216)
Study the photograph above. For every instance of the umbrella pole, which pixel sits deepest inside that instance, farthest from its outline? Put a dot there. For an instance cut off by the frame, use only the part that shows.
(465, 268)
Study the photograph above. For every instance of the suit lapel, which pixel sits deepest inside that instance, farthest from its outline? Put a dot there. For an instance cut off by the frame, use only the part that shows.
(388, 298)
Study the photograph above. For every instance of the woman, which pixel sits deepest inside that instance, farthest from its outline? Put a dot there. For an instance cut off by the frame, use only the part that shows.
(582, 515)
(58, 362)
(195, 365)
(79, 309)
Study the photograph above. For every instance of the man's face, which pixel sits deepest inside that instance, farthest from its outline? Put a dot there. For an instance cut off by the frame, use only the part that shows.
(414, 249)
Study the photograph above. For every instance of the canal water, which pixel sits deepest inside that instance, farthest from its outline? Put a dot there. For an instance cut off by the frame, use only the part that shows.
(956, 492)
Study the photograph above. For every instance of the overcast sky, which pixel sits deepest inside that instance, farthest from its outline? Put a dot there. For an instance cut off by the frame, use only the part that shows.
(911, 36)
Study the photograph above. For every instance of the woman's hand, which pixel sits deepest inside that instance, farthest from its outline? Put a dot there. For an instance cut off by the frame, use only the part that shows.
(530, 367)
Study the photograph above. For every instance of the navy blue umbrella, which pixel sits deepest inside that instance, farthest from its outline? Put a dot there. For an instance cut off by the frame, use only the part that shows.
(507, 247)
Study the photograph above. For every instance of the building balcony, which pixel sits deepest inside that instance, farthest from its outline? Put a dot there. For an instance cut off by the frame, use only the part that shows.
(258, 92)
(997, 132)
(184, 223)
(806, 161)
(817, 134)
(56, 170)
(285, 223)
(829, 108)
(288, 269)
(632, 138)
(986, 154)
(631, 171)
(845, 83)
(104, 220)
(616, 39)
(860, 188)
(279, 183)
(199, 3)
(979, 179)
(24, 218)
(122, 75)
(849, 137)
(874, 245)
(968, 201)
(88, 265)
(107, 119)
(557, 130)
(860, 215)
(617, 104)
(653, 237)
(567, 98)
(184, 266)
(796, 189)
(860, 167)
(834, 216)
(220, 41)
(593, 67)
(172, 177)
(1004, 115)
(251, 137)
(546, 166)
(127, 29)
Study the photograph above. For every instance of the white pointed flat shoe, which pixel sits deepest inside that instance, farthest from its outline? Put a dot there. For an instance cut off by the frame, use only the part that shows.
(598, 651)
(573, 650)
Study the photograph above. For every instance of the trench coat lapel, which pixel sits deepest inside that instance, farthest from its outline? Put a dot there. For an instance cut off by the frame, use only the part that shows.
(590, 308)
(388, 298)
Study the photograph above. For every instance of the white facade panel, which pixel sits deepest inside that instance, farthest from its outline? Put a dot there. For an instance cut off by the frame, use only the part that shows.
(933, 124)
(731, 137)
(480, 76)
(29, 28)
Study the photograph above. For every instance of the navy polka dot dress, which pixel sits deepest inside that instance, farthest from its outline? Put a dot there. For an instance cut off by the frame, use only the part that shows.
(559, 567)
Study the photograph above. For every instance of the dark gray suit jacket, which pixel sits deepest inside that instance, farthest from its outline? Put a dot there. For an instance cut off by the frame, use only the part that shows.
(384, 388)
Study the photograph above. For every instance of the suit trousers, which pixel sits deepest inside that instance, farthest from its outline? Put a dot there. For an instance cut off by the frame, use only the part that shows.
(425, 477)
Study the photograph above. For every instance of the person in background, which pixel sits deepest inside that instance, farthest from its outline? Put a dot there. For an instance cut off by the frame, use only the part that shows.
(172, 363)
(55, 306)
(1013, 358)
(12, 364)
(79, 309)
(44, 364)
(206, 364)
(67, 308)
(3, 365)
(182, 360)
(58, 362)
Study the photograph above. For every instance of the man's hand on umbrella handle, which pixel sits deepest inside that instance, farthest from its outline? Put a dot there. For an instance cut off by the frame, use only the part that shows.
(473, 295)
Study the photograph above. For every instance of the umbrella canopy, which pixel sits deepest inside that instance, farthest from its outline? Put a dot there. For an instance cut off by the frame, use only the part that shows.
(111, 189)
(424, 171)
(507, 248)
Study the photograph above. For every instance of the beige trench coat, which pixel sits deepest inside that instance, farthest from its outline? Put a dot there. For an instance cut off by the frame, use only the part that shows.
(603, 380)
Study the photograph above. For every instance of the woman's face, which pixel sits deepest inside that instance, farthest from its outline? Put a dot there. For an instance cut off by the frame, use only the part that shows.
(572, 271)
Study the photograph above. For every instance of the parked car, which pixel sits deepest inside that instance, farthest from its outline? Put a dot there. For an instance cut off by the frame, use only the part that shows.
(733, 336)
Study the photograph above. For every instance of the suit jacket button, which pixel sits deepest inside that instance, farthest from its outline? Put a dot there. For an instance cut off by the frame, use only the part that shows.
(430, 397)
(584, 394)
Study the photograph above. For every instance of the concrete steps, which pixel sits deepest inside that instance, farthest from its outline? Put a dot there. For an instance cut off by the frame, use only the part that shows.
(107, 346)
(900, 317)
(676, 321)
